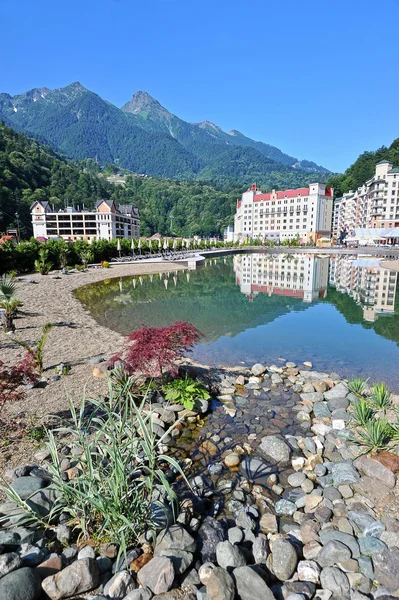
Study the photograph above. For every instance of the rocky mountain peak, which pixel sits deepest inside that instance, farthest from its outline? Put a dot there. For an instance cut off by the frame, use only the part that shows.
(140, 102)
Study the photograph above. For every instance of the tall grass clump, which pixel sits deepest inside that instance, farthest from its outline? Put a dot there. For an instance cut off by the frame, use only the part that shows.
(358, 386)
(119, 482)
(381, 397)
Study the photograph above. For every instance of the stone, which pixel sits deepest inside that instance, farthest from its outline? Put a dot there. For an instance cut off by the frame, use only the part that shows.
(232, 460)
(275, 449)
(389, 460)
(229, 557)
(250, 585)
(371, 545)
(256, 468)
(390, 538)
(209, 535)
(268, 523)
(308, 570)
(284, 559)
(235, 535)
(204, 572)
(22, 584)
(307, 486)
(296, 479)
(220, 585)
(311, 502)
(87, 552)
(375, 469)
(338, 404)
(344, 538)
(332, 553)
(321, 410)
(121, 584)
(51, 566)
(310, 531)
(208, 448)
(180, 558)
(260, 550)
(285, 507)
(336, 581)
(386, 569)
(158, 575)
(311, 550)
(258, 369)
(9, 562)
(175, 537)
(139, 594)
(245, 520)
(344, 473)
(374, 529)
(32, 555)
(81, 576)
(26, 486)
(338, 391)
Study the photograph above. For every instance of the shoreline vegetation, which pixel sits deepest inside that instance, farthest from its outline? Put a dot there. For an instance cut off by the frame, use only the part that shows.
(272, 482)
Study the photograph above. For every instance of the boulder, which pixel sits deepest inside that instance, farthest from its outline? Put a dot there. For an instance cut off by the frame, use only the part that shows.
(175, 537)
(180, 558)
(386, 569)
(275, 449)
(158, 575)
(139, 594)
(229, 557)
(338, 391)
(220, 585)
(376, 470)
(26, 486)
(344, 473)
(308, 570)
(336, 581)
(81, 576)
(22, 584)
(389, 460)
(284, 559)
(333, 553)
(268, 523)
(250, 585)
(120, 585)
(9, 562)
(209, 535)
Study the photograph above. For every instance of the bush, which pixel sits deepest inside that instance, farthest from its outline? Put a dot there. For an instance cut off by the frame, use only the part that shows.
(185, 391)
(119, 473)
(105, 264)
(153, 350)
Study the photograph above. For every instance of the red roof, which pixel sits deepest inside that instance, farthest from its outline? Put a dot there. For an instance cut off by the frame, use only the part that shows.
(283, 194)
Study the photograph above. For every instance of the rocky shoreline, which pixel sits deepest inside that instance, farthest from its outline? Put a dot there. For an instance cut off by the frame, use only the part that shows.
(288, 510)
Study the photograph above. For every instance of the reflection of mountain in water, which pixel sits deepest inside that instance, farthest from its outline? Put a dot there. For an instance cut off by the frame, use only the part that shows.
(209, 298)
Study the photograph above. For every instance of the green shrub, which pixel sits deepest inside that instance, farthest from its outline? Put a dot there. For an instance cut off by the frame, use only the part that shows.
(375, 435)
(358, 386)
(381, 397)
(362, 413)
(185, 391)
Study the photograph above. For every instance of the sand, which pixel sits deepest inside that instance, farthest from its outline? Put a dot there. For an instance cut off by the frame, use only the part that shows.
(75, 338)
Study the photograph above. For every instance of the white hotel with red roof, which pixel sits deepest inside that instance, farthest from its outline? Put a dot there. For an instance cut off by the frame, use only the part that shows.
(280, 215)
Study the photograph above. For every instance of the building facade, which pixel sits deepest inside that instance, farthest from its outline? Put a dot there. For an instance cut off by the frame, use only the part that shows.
(299, 276)
(106, 222)
(306, 212)
(374, 205)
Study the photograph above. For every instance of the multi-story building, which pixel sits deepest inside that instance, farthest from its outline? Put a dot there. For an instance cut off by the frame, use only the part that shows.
(367, 282)
(106, 222)
(374, 205)
(298, 276)
(306, 212)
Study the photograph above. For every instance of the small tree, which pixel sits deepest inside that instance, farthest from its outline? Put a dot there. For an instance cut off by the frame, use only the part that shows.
(86, 255)
(42, 264)
(153, 350)
(8, 302)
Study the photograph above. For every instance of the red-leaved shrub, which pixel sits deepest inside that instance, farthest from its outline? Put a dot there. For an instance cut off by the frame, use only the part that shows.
(151, 351)
(14, 377)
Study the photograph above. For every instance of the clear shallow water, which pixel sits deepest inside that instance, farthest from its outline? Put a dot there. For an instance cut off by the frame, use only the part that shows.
(341, 313)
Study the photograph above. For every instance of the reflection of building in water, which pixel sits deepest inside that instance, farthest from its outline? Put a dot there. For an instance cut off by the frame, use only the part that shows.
(298, 276)
(364, 279)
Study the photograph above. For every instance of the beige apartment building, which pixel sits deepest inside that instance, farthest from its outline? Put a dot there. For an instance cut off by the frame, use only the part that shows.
(106, 222)
(306, 212)
(374, 205)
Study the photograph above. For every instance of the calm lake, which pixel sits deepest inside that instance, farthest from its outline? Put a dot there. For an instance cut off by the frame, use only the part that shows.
(341, 313)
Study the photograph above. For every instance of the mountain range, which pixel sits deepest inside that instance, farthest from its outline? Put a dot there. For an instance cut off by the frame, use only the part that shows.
(145, 137)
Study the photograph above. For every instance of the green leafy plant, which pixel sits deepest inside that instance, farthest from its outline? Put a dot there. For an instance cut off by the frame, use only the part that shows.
(185, 391)
(120, 483)
(35, 353)
(358, 386)
(80, 267)
(381, 397)
(8, 302)
(374, 435)
(362, 412)
(42, 264)
(105, 264)
(86, 255)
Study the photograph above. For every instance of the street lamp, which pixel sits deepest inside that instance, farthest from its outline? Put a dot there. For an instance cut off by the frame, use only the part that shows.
(17, 217)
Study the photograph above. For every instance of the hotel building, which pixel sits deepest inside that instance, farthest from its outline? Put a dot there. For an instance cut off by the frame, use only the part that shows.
(306, 212)
(374, 205)
(298, 276)
(106, 222)
(369, 284)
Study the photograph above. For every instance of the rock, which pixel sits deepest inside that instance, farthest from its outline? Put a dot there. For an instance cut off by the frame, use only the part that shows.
(312, 397)
(220, 585)
(51, 566)
(139, 594)
(389, 460)
(308, 364)
(32, 555)
(333, 553)
(260, 550)
(232, 460)
(344, 538)
(208, 448)
(175, 537)
(336, 581)
(308, 570)
(180, 558)
(22, 584)
(386, 569)
(257, 370)
(235, 535)
(204, 572)
(284, 559)
(275, 449)
(121, 584)
(209, 535)
(390, 538)
(338, 391)
(376, 470)
(256, 468)
(311, 502)
(321, 410)
(26, 486)
(87, 552)
(245, 520)
(296, 479)
(250, 585)
(307, 486)
(311, 550)
(229, 557)
(9, 562)
(276, 379)
(81, 576)
(157, 575)
(371, 545)
(338, 403)
(344, 473)
(285, 507)
(268, 523)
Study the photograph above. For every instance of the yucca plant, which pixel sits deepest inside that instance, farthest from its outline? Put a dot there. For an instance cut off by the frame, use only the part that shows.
(36, 352)
(362, 412)
(375, 435)
(381, 397)
(8, 302)
(119, 472)
(358, 386)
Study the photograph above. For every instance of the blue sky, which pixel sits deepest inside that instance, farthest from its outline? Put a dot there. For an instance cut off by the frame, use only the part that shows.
(317, 79)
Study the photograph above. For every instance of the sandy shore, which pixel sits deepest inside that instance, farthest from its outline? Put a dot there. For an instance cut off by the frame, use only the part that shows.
(75, 338)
